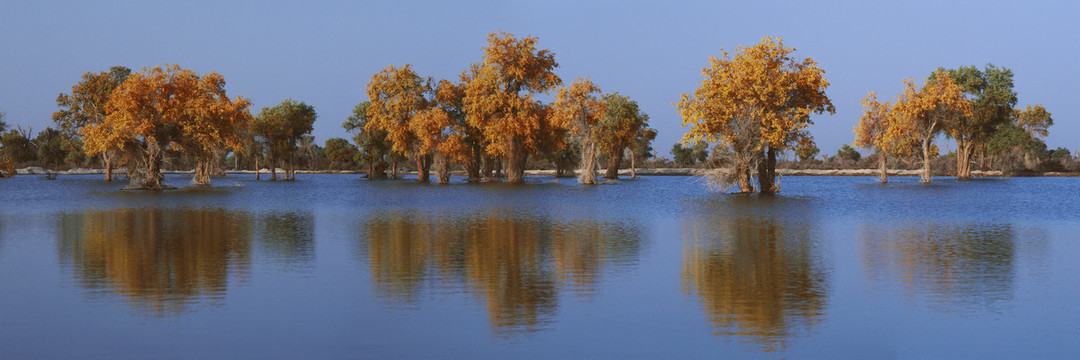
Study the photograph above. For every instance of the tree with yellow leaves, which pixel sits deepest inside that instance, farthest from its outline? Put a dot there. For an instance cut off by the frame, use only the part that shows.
(165, 108)
(756, 103)
(398, 96)
(499, 98)
(578, 107)
(924, 112)
(85, 105)
(878, 130)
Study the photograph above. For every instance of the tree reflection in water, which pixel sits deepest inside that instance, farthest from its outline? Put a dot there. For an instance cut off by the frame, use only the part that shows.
(953, 265)
(287, 239)
(754, 264)
(517, 264)
(160, 260)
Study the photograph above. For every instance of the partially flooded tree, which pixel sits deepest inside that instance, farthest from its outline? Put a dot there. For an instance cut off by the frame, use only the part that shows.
(374, 148)
(280, 128)
(878, 130)
(578, 108)
(924, 112)
(757, 104)
(397, 96)
(161, 109)
(618, 129)
(499, 99)
(85, 105)
(992, 98)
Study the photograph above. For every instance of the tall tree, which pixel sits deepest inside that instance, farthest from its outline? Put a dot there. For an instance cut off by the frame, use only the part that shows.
(85, 105)
(499, 99)
(280, 128)
(374, 148)
(992, 100)
(756, 103)
(397, 96)
(213, 126)
(619, 129)
(579, 108)
(923, 112)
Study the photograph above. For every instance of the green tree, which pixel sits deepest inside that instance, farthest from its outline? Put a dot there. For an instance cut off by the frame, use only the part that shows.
(17, 146)
(51, 147)
(847, 153)
(374, 148)
(992, 101)
(618, 129)
(280, 128)
(340, 150)
(85, 106)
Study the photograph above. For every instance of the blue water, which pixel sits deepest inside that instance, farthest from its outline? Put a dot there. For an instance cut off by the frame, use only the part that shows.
(335, 266)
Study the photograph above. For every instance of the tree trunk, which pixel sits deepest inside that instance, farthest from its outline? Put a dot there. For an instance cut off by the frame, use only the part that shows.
(883, 162)
(742, 169)
(614, 161)
(273, 168)
(393, 169)
(472, 167)
(588, 163)
(423, 168)
(442, 168)
(926, 159)
(767, 172)
(108, 165)
(257, 170)
(489, 167)
(515, 172)
(633, 165)
(963, 159)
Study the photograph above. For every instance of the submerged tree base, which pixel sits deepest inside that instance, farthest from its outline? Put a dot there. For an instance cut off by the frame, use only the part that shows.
(148, 188)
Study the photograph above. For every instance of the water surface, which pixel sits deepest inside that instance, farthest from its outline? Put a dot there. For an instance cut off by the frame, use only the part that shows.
(334, 266)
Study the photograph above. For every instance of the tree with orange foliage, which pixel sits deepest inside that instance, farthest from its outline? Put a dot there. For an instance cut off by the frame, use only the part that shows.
(213, 126)
(398, 96)
(924, 112)
(85, 105)
(164, 108)
(757, 103)
(499, 99)
(578, 107)
(878, 130)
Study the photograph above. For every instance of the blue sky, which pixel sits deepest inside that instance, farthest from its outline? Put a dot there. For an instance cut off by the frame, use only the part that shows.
(324, 52)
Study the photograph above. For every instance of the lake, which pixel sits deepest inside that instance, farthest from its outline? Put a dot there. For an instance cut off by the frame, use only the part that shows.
(335, 266)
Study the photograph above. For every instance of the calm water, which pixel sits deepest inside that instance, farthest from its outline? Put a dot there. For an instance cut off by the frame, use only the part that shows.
(333, 266)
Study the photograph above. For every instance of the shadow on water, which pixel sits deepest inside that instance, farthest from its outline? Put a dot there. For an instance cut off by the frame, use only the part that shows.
(162, 261)
(954, 266)
(755, 264)
(516, 264)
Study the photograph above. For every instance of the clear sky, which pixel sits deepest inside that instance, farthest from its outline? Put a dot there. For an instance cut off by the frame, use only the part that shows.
(324, 52)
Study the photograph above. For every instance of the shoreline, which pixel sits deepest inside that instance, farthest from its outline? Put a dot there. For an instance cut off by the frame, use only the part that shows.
(624, 172)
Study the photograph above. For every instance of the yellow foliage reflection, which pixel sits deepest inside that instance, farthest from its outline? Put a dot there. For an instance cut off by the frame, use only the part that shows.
(518, 265)
(160, 260)
(754, 266)
(952, 264)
